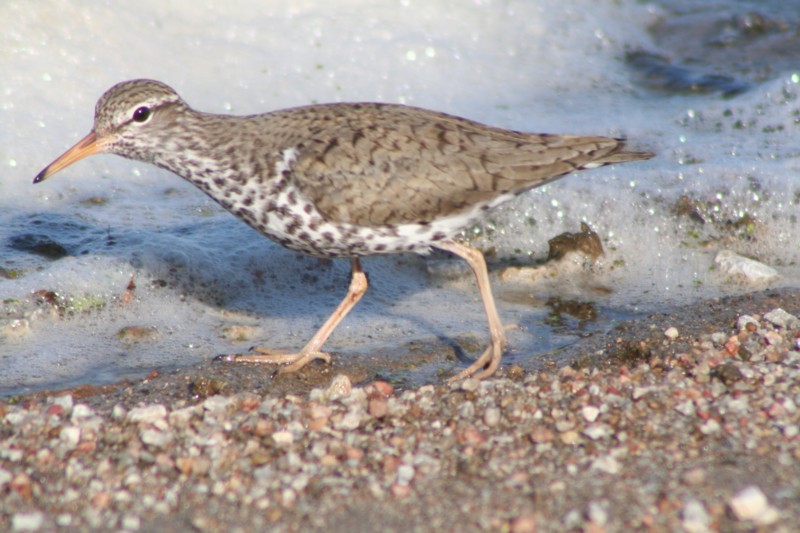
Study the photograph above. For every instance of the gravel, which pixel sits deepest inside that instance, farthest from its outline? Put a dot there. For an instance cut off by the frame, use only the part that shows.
(678, 432)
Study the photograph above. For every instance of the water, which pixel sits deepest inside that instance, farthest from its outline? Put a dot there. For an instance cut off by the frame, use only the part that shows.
(724, 178)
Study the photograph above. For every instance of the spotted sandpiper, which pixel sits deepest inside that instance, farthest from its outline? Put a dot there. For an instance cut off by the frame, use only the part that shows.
(343, 180)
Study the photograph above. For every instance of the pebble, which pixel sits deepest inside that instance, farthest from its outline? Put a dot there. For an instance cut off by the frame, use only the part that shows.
(155, 437)
(524, 524)
(217, 404)
(607, 464)
(710, 427)
(350, 421)
(590, 413)
(491, 417)
(81, 412)
(743, 268)
(597, 514)
(640, 392)
(597, 431)
(671, 333)
(64, 401)
(70, 436)
(283, 438)
(751, 504)
(146, 414)
(340, 387)
(405, 473)
(686, 408)
(745, 321)
(28, 521)
(695, 518)
(780, 318)
(5, 477)
(470, 385)
(694, 476)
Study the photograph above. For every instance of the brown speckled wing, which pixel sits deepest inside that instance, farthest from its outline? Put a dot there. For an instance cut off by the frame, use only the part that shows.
(373, 164)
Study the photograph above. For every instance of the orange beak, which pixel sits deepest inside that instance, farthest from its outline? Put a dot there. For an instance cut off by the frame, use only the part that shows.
(87, 146)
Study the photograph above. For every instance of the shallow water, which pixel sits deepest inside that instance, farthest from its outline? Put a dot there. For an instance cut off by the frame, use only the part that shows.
(724, 177)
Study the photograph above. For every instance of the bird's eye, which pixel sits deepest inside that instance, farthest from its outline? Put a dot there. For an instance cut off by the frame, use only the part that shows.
(141, 114)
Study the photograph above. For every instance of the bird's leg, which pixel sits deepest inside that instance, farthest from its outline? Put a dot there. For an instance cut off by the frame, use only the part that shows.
(312, 350)
(488, 362)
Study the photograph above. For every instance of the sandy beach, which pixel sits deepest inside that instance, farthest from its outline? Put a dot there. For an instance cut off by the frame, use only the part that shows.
(682, 421)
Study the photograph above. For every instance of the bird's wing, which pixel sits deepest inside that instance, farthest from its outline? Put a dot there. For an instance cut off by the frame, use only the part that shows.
(384, 164)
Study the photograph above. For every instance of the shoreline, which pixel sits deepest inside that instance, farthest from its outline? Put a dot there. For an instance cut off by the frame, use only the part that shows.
(686, 420)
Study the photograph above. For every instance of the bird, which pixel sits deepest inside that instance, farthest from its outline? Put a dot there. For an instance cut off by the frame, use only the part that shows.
(344, 180)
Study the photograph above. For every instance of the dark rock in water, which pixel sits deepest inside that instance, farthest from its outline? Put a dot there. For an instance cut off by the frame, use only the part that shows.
(586, 241)
(39, 245)
(658, 73)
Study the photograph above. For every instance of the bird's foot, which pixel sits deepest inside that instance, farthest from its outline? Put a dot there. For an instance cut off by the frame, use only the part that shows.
(293, 361)
(485, 365)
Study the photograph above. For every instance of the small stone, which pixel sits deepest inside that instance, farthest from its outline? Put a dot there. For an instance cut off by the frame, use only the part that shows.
(573, 520)
(719, 338)
(70, 436)
(218, 403)
(694, 476)
(470, 435)
(607, 464)
(780, 318)
(541, 435)
(470, 385)
(81, 412)
(467, 410)
(751, 504)
(672, 333)
(709, 427)
(524, 524)
(147, 414)
(640, 392)
(379, 388)
(118, 412)
(15, 418)
(136, 333)
(742, 268)
(400, 491)
(283, 438)
(65, 401)
(340, 387)
(28, 521)
(746, 323)
(695, 518)
(590, 413)
(182, 417)
(564, 424)
(727, 373)
(597, 514)
(241, 333)
(569, 437)
(491, 416)
(378, 407)
(597, 431)
(350, 421)
(5, 478)
(156, 438)
(686, 408)
(405, 473)
(131, 522)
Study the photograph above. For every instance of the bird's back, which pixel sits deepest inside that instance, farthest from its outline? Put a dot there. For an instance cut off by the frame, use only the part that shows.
(377, 164)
